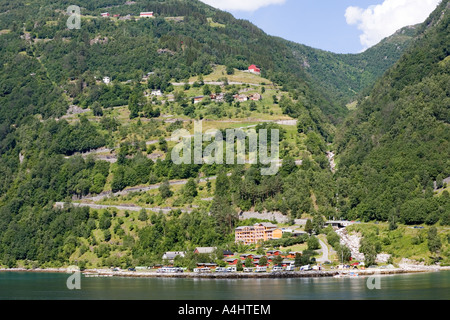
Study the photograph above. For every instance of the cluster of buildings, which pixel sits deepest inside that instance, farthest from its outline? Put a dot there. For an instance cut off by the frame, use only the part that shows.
(271, 255)
(221, 97)
(232, 260)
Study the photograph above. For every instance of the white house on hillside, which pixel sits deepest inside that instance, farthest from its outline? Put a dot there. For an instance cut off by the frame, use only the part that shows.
(156, 93)
(146, 14)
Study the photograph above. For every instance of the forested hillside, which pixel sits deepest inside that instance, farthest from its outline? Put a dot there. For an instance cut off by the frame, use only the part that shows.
(396, 144)
(346, 77)
(86, 118)
(187, 50)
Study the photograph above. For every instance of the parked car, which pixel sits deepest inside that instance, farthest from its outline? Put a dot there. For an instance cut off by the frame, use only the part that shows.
(231, 269)
(248, 270)
(221, 270)
(132, 269)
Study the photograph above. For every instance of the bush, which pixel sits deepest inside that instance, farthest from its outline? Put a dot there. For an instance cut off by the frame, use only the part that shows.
(107, 235)
(333, 238)
(143, 216)
(105, 221)
(434, 241)
(313, 243)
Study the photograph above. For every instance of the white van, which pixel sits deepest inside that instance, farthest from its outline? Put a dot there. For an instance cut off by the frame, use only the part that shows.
(261, 269)
(290, 268)
(306, 268)
(231, 269)
(277, 269)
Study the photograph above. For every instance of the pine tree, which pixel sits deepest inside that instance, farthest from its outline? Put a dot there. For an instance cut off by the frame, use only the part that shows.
(190, 189)
(434, 242)
(308, 227)
(164, 190)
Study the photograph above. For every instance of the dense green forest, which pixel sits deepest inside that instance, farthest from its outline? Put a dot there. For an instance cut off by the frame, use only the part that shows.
(396, 144)
(349, 76)
(389, 151)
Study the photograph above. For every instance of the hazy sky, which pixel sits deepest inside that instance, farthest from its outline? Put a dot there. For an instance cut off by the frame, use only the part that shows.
(342, 26)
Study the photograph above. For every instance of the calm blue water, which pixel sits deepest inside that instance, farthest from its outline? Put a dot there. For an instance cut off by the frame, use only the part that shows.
(52, 286)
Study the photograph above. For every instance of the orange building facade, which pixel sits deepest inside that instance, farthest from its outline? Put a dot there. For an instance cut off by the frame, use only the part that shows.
(257, 233)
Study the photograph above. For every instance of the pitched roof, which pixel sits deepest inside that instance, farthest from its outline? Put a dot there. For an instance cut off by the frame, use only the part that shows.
(268, 225)
(172, 255)
(205, 249)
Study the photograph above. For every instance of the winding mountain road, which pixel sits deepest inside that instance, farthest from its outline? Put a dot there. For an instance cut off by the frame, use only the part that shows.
(325, 252)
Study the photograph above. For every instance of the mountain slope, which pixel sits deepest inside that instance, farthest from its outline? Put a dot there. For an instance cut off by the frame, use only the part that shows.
(346, 76)
(397, 142)
(47, 67)
(182, 27)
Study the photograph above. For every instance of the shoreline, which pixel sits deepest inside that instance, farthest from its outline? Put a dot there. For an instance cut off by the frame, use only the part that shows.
(100, 273)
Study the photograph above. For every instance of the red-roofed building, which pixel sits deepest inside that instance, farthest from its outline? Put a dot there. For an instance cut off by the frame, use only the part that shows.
(254, 69)
(146, 14)
(232, 261)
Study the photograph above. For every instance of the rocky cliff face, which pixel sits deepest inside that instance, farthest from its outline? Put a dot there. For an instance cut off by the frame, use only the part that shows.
(353, 243)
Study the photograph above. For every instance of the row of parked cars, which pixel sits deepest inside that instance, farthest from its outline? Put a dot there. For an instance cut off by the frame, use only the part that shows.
(220, 270)
(170, 270)
(258, 269)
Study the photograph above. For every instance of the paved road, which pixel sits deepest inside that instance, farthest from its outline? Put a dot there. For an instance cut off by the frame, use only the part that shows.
(324, 252)
(128, 208)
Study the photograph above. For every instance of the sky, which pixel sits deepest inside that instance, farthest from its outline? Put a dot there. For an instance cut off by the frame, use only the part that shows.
(340, 26)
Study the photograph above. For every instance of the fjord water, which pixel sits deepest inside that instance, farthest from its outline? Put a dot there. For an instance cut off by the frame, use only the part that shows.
(52, 286)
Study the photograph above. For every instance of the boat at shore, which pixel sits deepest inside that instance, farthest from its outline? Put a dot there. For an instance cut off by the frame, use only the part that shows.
(347, 275)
